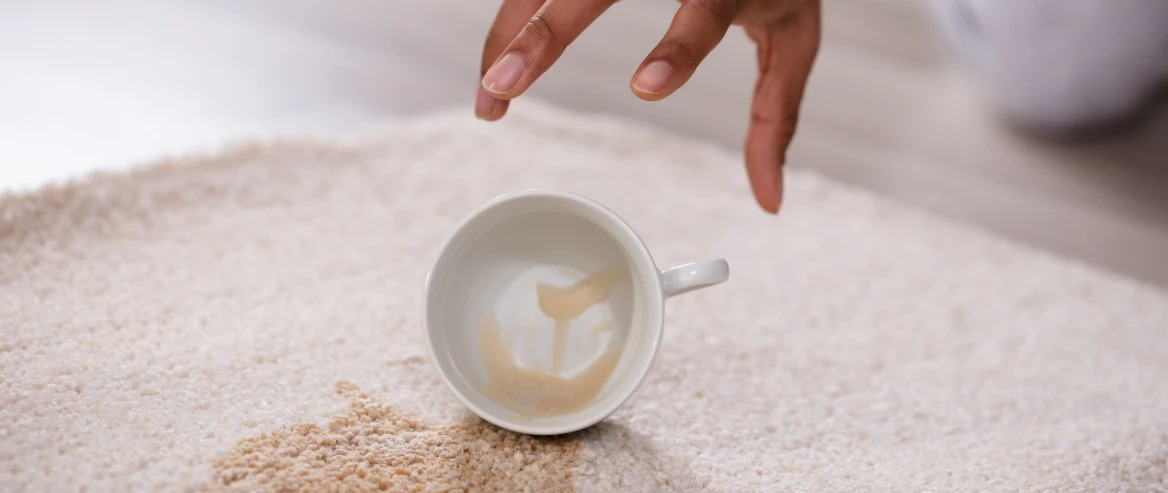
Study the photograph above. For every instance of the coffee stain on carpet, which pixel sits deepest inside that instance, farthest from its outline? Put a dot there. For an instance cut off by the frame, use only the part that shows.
(373, 447)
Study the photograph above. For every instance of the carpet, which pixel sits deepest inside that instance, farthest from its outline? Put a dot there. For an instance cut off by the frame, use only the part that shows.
(251, 321)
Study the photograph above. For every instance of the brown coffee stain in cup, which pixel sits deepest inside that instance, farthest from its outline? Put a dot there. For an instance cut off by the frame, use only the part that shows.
(533, 392)
(373, 447)
(565, 304)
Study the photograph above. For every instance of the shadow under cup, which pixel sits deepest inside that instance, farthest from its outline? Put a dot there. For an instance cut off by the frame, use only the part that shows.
(516, 234)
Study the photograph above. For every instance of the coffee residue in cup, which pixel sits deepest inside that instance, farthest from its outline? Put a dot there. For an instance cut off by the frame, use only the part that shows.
(533, 392)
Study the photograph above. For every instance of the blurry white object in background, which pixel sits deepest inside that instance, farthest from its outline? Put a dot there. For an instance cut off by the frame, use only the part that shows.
(1061, 65)
(107, 85)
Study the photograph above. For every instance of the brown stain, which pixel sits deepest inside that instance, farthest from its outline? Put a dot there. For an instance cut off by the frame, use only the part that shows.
(535, 393)
(532, 392)
(373, 447)
(563, 304)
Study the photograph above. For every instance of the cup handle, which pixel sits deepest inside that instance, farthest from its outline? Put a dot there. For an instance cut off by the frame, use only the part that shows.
(688, 277)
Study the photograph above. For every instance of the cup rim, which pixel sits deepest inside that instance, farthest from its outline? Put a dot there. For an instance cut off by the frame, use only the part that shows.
(594, 413)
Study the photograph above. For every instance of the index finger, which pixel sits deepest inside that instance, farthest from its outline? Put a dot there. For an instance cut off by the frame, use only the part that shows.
(512, 16)
(539, 44)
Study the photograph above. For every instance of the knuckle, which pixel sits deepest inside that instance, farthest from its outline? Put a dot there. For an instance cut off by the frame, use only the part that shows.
(541, 30)
(719, 11)
(759, 117)
(684, 53)
(784, 124)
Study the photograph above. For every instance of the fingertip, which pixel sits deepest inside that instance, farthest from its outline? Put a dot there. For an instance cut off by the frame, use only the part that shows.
(489, 117)
(503, 78)
(487, 107)
(484, 104)
(653, 81)
(643, 96)
(767, 199)
(766, 179)
(768, 204)
(500, 110)
(653, 78)
(778, 203)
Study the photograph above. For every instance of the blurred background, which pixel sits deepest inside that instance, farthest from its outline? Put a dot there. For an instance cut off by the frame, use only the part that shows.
(903, 100)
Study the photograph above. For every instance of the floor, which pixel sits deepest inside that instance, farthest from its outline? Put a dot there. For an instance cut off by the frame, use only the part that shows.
(91, 85)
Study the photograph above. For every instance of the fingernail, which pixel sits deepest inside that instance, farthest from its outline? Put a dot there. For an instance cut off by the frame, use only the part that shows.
(653, 77)
(503, 75)
(484, 104)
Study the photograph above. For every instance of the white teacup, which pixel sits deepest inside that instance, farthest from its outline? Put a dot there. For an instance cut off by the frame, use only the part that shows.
(489, 269)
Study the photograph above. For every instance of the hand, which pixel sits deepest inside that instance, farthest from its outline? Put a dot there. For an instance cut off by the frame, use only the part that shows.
(529, 35)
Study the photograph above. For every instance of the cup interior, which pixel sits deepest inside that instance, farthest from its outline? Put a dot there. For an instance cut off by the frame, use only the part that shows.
(490, 267)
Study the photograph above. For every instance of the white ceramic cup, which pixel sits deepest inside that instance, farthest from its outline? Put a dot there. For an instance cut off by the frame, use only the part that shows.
(489, 265)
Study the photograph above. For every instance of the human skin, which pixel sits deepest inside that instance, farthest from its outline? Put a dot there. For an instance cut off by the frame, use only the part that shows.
(528, 36)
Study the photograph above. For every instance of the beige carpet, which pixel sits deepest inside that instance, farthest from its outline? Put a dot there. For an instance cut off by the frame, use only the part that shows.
(251, 321)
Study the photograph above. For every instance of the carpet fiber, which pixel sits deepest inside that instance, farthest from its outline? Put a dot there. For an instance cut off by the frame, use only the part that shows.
(251, 321)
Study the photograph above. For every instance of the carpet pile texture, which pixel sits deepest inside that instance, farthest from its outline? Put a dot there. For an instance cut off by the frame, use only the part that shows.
(252, 321)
